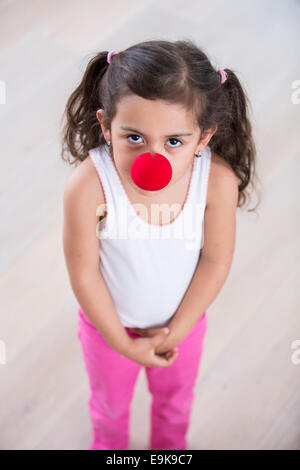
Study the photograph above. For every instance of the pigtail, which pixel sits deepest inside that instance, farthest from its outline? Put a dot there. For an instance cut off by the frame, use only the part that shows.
(82, 131)
(233, 139)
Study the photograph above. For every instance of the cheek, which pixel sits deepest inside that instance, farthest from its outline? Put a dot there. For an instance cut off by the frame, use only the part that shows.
(123, 165)
(123, 157)
(179, 170)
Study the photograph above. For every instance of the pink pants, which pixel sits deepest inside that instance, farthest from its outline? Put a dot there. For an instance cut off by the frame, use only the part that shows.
(112, 378)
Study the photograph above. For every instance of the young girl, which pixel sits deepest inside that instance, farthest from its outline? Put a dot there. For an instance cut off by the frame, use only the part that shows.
(152, 127)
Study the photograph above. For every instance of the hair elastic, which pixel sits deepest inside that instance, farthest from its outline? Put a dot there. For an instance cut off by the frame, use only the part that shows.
(223, 74)
(110, 54)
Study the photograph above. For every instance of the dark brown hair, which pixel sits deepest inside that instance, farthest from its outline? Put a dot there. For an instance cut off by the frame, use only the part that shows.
(177, 72)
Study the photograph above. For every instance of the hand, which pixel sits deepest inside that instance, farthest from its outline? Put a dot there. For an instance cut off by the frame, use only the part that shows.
(142, 351)
(150, 332)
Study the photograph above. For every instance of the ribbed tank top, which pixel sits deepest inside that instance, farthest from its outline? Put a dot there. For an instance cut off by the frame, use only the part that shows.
(148, 268)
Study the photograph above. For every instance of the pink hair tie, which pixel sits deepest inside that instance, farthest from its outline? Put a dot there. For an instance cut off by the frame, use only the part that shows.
(223, 74)
(110, 54)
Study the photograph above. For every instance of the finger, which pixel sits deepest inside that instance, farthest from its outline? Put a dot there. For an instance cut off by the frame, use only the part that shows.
(172, 357)
(138, 331)
(164, 362)
(160, 362)
(160, 336)
(170, 351)
(171, 354)
(153, 330)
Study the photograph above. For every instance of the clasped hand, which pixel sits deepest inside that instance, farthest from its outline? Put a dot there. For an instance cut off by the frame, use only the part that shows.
(153, 349)
(166, 348)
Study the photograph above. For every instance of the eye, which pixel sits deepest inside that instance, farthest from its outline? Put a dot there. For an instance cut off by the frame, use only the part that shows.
(133, 135)
(172, 138)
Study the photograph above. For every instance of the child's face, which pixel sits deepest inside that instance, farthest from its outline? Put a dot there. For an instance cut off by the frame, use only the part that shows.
(155, 125)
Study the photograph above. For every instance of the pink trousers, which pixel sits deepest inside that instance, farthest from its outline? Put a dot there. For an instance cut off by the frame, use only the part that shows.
(112, 378)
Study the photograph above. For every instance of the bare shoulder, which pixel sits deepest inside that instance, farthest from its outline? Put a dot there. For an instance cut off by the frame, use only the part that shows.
(83, 185)
(220, 213)
(81, 199)
(84, 177)
(222, 182)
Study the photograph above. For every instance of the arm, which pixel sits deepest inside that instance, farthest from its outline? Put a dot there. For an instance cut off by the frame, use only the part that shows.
(81, 250)
(216, 255)
(206, 283)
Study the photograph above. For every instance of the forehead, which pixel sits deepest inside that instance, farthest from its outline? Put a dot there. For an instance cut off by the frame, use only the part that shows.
(138, 112)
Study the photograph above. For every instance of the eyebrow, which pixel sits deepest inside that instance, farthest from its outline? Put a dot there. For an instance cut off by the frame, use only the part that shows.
(178, 134)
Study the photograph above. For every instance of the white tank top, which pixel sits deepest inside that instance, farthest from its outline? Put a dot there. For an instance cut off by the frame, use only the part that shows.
(147, 267)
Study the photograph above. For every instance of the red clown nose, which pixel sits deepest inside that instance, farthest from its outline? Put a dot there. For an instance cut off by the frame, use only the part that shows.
(151, 173)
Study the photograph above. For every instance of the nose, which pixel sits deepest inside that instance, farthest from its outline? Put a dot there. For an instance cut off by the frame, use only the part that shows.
(154, 152)
(151, 172)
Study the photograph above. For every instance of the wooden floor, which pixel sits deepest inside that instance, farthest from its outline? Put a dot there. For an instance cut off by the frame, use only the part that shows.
(248, 389)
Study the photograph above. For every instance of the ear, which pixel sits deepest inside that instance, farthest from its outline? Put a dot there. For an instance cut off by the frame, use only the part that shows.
(99, 114)
(105, 130)
(205, 138)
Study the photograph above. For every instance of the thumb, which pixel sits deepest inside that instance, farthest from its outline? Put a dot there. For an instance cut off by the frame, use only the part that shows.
(160, 336)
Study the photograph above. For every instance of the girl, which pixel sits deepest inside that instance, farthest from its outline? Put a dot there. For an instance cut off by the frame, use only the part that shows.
(138, 126)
